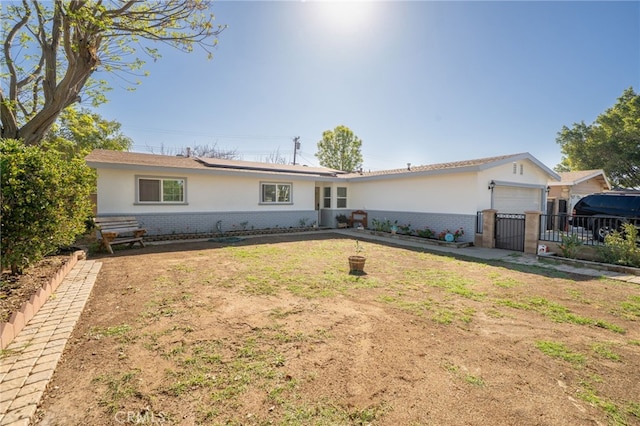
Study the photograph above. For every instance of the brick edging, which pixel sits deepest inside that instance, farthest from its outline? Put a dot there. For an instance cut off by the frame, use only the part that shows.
(10, 329)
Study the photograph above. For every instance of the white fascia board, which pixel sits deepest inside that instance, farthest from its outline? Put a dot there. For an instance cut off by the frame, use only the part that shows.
(523, 156)
(595, 174)
(411, 174)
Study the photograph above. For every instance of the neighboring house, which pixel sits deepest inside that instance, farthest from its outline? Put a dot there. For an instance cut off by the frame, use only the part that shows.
(563, 195)
(191, 195)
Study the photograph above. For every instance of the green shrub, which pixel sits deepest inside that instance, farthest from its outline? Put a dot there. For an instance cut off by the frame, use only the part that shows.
(426, 233)
(44, 201)
(383, 226)
(620, 248)
(570, 245)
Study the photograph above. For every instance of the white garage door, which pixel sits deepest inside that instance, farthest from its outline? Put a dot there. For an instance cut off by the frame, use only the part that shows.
(512, 199)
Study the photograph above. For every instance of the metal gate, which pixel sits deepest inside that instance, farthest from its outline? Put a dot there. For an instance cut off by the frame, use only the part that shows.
(510, 231)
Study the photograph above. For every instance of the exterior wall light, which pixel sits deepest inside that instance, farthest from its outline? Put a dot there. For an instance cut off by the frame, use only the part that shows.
(492, 185)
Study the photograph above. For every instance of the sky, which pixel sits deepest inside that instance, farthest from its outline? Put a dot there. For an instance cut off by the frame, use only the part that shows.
(419, 82)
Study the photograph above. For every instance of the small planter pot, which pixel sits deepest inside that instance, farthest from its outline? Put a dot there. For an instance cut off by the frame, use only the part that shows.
(356, 265)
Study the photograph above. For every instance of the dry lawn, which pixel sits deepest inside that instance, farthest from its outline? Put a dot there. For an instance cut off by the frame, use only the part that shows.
(274, 330)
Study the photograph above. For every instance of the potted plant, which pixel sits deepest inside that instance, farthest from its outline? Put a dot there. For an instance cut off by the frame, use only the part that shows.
(356, 262)
(342, 220)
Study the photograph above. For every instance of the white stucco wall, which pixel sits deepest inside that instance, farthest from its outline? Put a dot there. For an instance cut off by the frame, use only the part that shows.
(204, 193)
(443, 193)
(459, 192)
(531, 176)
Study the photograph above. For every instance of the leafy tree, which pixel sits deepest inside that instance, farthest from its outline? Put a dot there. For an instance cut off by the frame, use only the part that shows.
(76, 133)
(340, 149)
(52, 49)
(44, 202)
(611, 143)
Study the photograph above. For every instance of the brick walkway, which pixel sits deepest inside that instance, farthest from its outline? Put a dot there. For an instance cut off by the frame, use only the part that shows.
(28, 363)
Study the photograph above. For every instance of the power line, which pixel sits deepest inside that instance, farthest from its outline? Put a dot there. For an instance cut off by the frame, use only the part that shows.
(200, 133)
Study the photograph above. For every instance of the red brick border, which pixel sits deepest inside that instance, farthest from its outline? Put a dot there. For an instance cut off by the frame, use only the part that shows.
(9, 330)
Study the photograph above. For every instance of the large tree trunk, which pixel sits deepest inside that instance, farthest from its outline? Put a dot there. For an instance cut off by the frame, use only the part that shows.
(81, 47)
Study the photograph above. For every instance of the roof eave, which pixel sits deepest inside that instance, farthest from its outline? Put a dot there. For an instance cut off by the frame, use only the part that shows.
(262, 174)
(412, 173)
(522, 156)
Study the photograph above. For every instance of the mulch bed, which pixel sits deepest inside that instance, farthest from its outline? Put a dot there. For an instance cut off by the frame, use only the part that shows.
(17, 289)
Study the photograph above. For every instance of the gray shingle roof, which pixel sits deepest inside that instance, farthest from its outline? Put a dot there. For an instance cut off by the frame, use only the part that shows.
(578, 176)
(445, 166)
(101, 156)
(118, 158)
(104, 156)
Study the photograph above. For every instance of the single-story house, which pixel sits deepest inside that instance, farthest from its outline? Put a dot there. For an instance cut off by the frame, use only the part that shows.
(198, 195)
(564, 194)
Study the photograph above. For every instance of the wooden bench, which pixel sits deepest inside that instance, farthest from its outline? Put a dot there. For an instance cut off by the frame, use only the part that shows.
(118, 230)
(358, 216)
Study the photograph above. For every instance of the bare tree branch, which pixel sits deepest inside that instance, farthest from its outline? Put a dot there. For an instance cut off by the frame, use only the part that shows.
(74, 39)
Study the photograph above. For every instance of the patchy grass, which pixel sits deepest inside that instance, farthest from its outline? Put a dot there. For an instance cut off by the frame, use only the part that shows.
(618, 413)
(276, 331)
(559, 350)
(121, 387)
(460, 373)
(631, 307)
(558, 313)
(606, 350)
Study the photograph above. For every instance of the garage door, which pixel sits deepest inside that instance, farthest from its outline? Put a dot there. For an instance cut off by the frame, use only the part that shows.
(513, 199)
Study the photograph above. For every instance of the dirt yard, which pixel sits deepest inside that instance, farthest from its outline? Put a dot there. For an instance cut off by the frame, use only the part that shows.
(274, 330)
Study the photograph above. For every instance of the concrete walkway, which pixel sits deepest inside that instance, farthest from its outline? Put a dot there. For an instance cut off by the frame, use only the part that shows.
(28, 363)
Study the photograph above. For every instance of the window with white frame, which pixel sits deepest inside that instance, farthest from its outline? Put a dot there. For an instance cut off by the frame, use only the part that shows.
(161, 190)
(275, 193)
(341, 197)
(327, 197)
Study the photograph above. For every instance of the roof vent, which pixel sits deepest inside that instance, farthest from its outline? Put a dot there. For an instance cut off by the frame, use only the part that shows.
(408, 166)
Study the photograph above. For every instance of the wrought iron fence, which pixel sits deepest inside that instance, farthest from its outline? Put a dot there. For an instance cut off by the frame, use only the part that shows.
(590, 230)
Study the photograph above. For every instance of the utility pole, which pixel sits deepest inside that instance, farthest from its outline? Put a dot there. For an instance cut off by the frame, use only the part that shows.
(296, 147)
